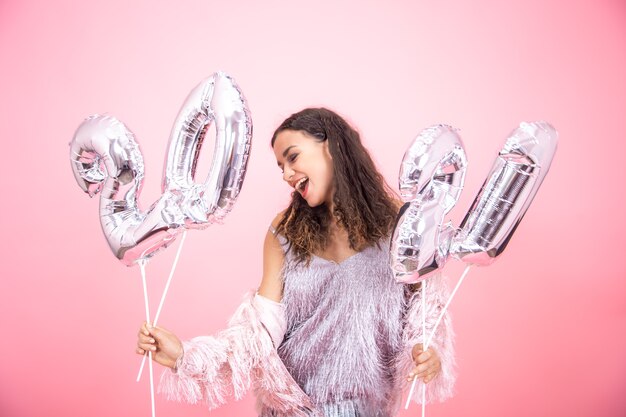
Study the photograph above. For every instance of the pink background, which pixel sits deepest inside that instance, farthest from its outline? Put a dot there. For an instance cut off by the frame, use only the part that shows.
(541, 332)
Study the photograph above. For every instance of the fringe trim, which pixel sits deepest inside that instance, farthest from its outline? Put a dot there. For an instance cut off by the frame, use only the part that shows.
(442, 386)
(240, 356)
(203, 363)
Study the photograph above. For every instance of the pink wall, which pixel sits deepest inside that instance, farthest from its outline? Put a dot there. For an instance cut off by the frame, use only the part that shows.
(542, 332)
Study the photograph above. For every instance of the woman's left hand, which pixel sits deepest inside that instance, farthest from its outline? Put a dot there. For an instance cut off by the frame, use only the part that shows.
(427, 364)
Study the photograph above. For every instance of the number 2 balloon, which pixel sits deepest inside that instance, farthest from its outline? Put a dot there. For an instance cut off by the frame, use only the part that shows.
(431, 180)
(106, 158)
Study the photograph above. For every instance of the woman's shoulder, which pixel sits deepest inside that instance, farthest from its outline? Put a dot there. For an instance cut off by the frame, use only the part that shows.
(276, 221)
(273, 259)
(276, 236)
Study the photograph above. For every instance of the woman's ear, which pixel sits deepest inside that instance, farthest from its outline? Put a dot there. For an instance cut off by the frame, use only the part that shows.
(327, 149)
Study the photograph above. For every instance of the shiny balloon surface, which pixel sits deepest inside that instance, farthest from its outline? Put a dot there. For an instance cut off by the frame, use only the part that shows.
(431, 180)
(106, 158)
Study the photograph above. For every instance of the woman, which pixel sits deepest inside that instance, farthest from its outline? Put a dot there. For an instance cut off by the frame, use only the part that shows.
(329, 332)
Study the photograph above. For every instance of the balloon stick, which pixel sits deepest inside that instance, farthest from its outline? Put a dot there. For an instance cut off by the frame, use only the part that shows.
(142, 267)
(424, 347)
(167, 286)
(458, 284)
(423, 301)
(432, 334)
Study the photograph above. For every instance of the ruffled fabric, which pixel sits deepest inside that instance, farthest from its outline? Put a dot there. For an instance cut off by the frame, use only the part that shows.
(272, 316)
(436, 296)
(241, 356)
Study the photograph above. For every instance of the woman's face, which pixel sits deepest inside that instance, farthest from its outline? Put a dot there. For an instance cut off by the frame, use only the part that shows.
(306, 164)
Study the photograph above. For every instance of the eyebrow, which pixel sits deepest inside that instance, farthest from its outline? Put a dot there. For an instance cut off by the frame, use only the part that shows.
(285, 152)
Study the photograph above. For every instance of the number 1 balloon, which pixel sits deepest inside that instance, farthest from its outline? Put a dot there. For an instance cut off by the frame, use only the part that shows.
(106, 158)
(506, 194)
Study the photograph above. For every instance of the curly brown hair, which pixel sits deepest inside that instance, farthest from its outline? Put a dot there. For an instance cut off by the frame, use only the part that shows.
(364, 204)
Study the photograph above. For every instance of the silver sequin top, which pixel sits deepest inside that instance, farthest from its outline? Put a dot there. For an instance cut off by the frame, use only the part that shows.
(344, 330)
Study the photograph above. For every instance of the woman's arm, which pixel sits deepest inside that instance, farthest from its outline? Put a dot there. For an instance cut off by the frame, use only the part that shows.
(167, 347)
(273, 257)
(244, 353)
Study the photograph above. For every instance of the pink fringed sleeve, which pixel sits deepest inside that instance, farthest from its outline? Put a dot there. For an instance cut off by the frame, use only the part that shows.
(436, 295)
(244, 354)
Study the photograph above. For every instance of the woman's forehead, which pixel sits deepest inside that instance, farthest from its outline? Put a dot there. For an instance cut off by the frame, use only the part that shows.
(287, 140)
(289, 136)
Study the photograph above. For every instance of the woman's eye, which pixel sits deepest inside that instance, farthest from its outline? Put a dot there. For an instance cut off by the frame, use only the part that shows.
(292, 157)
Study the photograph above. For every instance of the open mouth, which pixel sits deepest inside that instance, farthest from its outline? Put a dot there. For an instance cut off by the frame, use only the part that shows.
(301, 185)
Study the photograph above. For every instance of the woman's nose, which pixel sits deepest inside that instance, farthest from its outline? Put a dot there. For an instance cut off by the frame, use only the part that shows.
(287, 173)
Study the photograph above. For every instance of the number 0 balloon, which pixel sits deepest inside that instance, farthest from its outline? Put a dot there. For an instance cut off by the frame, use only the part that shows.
(106, 158)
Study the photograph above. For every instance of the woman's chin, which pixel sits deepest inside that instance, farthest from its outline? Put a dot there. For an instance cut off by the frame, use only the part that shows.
(313, 203)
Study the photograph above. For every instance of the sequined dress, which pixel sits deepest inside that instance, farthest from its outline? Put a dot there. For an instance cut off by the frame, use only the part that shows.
(344, 330)
(346, 351)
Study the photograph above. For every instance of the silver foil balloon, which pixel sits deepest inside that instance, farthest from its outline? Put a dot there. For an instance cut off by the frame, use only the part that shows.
(216, 100)
(506, 194)
(105, 157)
(431, 179)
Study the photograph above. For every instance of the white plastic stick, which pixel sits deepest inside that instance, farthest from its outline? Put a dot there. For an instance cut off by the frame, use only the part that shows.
(443, 312)
(408, 400)
(167, 286)
(152, 386)
(142, 268)
(425, 348)
(432, 334)
(422, 301)
(169, 279)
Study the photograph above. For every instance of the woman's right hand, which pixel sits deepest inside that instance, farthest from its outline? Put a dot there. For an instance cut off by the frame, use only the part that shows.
(166, 348)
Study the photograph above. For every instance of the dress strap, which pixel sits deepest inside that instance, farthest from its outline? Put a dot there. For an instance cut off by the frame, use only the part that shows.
(281, 239)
